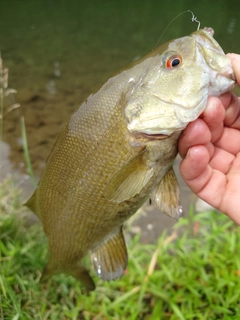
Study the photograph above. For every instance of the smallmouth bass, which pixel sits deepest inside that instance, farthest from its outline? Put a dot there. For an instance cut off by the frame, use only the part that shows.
(118, 148)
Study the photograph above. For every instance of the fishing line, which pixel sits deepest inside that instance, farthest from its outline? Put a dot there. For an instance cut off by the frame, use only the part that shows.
(194, 19)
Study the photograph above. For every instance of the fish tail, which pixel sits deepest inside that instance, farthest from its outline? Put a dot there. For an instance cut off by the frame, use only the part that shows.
(80, 274)
(85, 278)
(48, 272)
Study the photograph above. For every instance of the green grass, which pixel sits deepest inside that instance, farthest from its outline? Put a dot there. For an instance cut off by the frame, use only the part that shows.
(8, 92)
(26, 152)
(191, 274)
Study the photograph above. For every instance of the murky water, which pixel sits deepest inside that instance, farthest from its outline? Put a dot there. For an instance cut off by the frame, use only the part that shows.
(58, 52)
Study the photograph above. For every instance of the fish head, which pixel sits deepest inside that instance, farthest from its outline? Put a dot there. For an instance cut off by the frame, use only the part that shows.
(175, 82)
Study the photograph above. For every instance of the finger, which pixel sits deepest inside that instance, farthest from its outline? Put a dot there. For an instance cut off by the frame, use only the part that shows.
(229, 141)
(195, 133)
(235, 58)
(194, 168)
(221, 160)
(213, 116)
(232, 114)
(214, 189)
(226, 98)
(207, 183)
(231, 201)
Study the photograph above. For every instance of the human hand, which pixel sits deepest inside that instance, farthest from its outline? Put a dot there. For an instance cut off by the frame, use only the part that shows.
(210, 148)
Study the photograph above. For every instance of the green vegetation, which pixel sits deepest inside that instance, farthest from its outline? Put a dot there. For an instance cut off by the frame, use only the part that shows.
(5, 91)
(191, 274)
(26, 152)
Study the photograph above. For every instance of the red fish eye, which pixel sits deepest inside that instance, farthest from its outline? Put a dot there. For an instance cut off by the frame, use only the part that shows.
(173, 61)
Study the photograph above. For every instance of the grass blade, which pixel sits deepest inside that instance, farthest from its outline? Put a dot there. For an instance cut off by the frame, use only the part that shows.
(26, 152)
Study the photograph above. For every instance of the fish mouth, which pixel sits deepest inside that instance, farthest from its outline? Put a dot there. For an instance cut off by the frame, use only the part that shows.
(156, 136)
(205, 39)
(150, 137)
(207, 44)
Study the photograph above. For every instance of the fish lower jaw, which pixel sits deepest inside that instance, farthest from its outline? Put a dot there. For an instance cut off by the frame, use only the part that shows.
(225, 86)
(155, 136)
(152, 136)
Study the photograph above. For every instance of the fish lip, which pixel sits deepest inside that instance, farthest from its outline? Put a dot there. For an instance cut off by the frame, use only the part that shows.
(150, 137)
(233, 84)
(205, 39)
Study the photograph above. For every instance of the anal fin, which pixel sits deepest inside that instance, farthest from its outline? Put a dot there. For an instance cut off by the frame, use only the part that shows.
(110, 257)
(166, 196)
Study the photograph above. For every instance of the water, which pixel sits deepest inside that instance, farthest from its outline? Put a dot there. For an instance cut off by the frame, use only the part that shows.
(58, 52)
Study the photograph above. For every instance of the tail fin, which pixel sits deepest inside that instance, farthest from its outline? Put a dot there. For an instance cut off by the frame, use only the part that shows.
(80, 274)
(85, 278)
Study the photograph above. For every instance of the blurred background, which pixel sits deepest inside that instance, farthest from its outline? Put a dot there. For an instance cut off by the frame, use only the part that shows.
(59, 52)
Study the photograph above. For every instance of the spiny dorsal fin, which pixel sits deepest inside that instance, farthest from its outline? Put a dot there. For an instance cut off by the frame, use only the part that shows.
(166, 196)
(130, 180)
(110, 258)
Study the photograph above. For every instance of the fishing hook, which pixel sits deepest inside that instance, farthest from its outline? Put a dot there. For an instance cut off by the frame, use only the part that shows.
(194, 19)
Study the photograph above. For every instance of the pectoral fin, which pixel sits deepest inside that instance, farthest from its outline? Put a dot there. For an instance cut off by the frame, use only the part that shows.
(166, 196)
(130, 180)
(110, 258)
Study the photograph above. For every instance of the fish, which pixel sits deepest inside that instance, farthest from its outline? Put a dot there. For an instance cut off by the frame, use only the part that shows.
(117, 150)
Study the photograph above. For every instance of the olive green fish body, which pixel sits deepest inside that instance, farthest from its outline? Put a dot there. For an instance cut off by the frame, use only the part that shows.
(118, 148)
(70, 199)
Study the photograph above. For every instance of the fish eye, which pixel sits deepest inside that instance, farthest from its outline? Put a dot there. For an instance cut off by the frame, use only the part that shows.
(172, 60)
